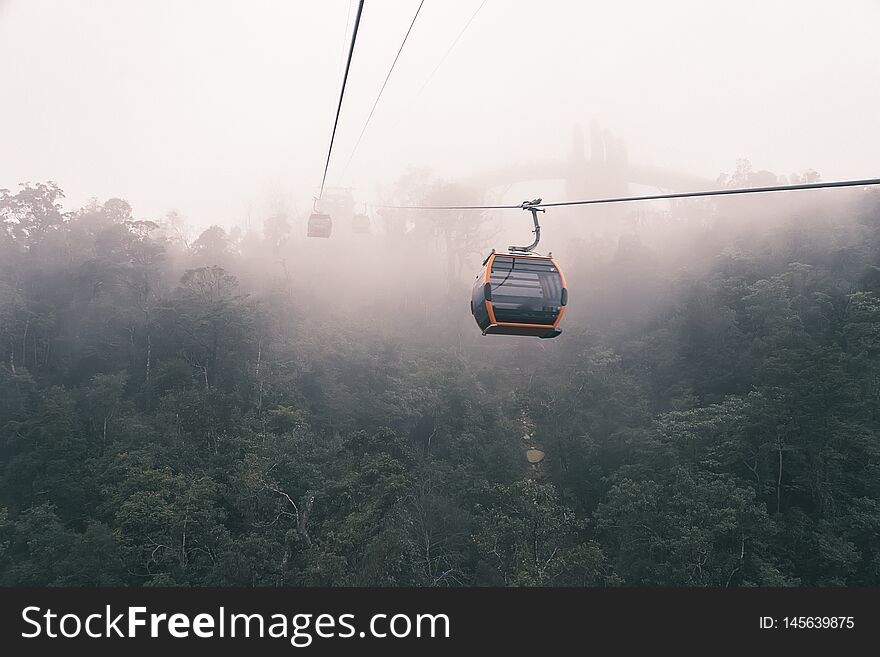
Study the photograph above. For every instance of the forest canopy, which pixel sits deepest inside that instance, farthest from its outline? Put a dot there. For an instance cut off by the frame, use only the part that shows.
(245, 408)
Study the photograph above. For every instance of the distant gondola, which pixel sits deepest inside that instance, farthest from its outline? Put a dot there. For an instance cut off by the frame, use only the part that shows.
(320, 225)
(520, 292)
(360, 223)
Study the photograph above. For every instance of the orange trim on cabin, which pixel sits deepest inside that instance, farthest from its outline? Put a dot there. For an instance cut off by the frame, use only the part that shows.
(559, 269)
(488, 274)
(564, 287)
(559, 316)
(523, 325)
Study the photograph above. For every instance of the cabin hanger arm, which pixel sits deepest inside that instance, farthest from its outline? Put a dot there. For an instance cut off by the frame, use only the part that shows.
(531, 207)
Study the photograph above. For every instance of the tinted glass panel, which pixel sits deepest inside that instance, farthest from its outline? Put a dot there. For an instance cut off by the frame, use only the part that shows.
(525, 290)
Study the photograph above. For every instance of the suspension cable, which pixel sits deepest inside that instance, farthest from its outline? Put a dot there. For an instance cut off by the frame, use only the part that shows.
(390, 70)
(449, 50)
(345, 37)
(357, 21)
(652, 197)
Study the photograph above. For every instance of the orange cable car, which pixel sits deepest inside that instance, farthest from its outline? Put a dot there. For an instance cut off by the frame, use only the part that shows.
(520, 292)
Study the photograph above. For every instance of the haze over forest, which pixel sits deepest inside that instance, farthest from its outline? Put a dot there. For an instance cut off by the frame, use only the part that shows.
(222, 110)
(193, 392)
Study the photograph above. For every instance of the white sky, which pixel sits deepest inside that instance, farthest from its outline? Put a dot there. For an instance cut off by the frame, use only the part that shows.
(216, 108)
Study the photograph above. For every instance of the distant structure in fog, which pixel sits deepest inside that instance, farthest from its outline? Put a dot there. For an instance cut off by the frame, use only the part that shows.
(603, 171)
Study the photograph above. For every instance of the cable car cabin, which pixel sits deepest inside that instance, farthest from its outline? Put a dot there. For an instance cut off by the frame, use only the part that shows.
(519, 294)
(360, 223)
(320, 225)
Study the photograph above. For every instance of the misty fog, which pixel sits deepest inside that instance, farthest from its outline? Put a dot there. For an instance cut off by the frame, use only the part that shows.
(221, 109)
(180, 365)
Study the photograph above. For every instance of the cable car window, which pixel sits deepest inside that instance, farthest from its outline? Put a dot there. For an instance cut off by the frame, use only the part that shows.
(525, 290)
